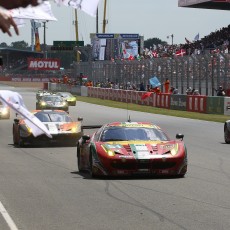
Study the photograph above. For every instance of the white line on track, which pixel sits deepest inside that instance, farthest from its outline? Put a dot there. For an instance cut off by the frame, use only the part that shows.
(7, 217)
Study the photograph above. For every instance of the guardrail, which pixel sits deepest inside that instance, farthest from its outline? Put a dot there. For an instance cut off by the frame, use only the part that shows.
(191, 103)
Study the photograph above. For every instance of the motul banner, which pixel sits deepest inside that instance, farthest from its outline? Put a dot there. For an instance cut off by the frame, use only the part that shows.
(43, 64)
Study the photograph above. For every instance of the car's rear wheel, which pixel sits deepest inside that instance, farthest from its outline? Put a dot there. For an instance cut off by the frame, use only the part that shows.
(226, 135)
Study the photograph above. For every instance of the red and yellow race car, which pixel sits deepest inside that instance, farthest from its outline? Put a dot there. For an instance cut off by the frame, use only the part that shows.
(63, 129)
(128, 148)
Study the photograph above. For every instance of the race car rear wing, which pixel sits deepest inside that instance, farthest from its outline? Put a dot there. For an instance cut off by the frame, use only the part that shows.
(91, 126)
(88, 126)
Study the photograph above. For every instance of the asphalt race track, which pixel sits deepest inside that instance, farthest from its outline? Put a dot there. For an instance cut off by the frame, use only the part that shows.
(41, 189)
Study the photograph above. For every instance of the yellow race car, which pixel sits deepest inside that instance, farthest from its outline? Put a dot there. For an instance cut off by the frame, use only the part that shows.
(68, 97)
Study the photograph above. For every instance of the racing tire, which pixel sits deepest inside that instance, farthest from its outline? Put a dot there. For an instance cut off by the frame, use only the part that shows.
(92, 174)
(21, 144)
(180, 176)
(226, 135)
(20, 141)
(79, 160)
(37, 106)
(14, 138)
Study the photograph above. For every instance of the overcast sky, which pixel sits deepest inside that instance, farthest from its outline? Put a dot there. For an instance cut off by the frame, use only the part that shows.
(149, 18)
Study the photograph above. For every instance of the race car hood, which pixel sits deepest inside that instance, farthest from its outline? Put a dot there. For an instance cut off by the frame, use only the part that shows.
(63, 127)
(142, 149)
(70, 98)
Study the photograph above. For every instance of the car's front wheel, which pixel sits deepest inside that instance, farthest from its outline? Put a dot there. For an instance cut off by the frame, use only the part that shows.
(226, 135)
(92, 174)
(14, 138)
(79, 159)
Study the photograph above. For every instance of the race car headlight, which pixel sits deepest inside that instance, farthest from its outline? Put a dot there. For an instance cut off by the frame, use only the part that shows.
(43, 103)
(64, 103)
(5, 111)
(174, 151)
(74, 129)
(108, 151)
(111, 153)
(29, 130)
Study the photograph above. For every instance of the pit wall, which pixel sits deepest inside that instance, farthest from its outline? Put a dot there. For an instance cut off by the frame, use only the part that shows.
(190, 103)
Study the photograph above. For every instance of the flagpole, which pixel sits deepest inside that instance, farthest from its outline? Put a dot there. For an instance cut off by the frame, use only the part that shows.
(32, 34)
(44, 37)
(97, 21)
(76, 32)
(104, 19)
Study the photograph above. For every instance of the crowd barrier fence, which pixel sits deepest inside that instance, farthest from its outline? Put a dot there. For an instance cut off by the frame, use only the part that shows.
(190, 103)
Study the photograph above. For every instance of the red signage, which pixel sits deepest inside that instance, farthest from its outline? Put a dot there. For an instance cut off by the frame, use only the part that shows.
(43, 64)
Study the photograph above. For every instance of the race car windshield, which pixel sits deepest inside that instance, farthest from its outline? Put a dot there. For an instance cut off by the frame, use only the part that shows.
(66, 94)
(134, 133)
(53, 99)
(53, 117)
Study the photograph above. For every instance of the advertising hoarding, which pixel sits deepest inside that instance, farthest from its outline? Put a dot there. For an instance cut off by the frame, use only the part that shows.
(116, 46)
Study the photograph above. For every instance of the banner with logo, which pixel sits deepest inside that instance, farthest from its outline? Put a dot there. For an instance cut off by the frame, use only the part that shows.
(43, 64)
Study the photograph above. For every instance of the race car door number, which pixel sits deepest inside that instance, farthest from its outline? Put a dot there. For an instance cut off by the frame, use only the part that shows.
(53, 128)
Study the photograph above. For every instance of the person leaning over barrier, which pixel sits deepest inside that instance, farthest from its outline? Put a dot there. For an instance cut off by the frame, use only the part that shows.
(6, 20)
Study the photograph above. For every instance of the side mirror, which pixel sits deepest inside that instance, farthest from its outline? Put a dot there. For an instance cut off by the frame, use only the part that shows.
(16, 121)
(80, 119)
(179, 136)
(85, 137)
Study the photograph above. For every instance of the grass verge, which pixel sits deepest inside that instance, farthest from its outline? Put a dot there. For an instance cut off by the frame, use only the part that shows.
(154, 110)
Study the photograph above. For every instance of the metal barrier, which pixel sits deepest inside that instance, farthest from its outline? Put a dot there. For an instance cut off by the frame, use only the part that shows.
(204, 73)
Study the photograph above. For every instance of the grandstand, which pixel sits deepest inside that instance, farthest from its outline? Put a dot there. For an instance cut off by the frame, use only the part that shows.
(16, 59)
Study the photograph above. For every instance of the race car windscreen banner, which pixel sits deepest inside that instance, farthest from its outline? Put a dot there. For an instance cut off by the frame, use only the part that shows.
(44, 64)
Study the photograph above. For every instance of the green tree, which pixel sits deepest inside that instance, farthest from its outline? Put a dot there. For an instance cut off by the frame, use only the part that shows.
(22, 45)
(3, 45)
(153, 41)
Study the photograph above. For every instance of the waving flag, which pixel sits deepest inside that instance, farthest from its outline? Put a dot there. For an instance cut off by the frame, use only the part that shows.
(35, 25)
(154, 82)
(196, 38)
(88, 6)
(19, 22)
(146, 95)
(187, 41)
(14, 101)
(40, 12)
(181, 52)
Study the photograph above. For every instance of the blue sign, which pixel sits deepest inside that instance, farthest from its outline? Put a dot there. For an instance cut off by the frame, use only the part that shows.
(130, 36)
(105, 35)
(154, 82)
